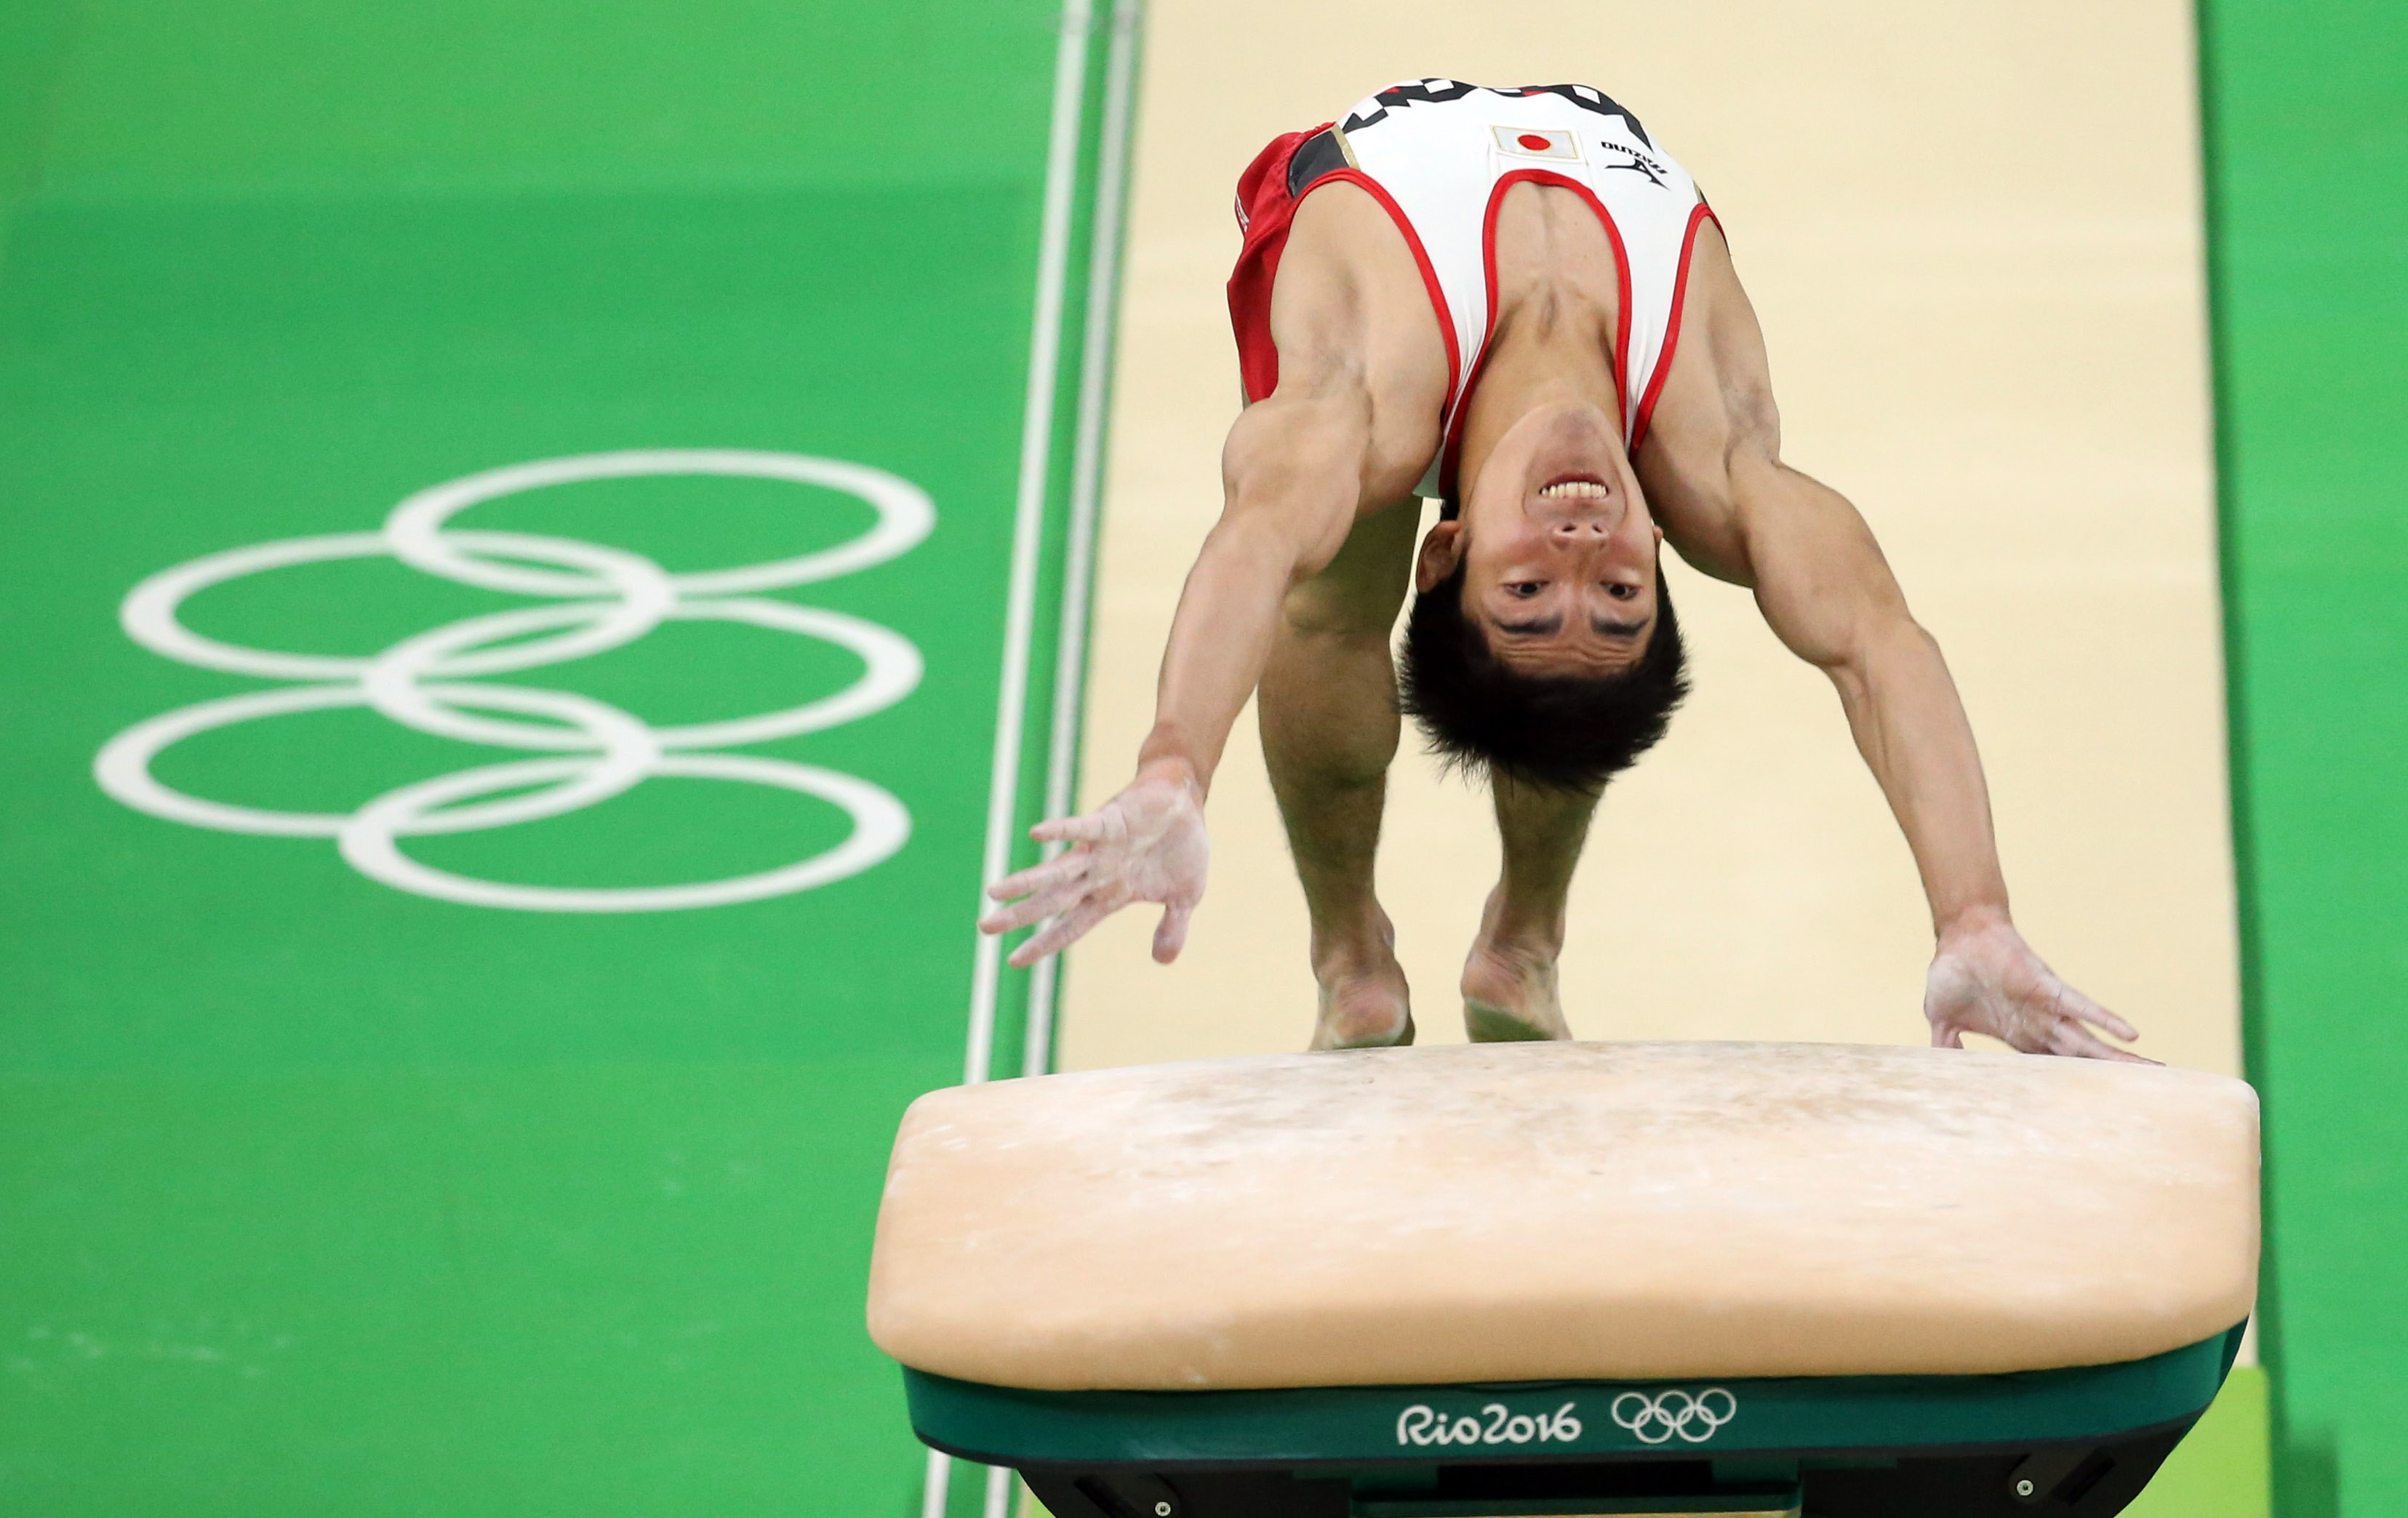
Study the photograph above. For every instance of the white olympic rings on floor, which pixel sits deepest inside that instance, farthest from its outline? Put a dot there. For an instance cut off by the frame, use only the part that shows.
(602, 598)
(1694, 1416)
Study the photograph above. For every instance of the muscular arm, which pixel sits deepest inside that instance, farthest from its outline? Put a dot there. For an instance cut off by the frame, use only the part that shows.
(1711, 466)
(1291, 477)
(1828, 595)
(1290, 480)
(1355, 417)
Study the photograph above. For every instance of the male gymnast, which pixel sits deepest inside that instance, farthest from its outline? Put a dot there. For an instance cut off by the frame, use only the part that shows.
(1514, 301)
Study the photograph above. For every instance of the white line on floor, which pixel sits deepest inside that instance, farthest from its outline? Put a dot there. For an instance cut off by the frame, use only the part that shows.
(1086, 478)
(1028, 511)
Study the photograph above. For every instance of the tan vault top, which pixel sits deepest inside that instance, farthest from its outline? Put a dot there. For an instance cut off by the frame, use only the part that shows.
(1542, 1212)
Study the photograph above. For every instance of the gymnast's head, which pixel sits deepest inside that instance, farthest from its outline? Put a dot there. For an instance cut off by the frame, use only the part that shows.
(1542, 646)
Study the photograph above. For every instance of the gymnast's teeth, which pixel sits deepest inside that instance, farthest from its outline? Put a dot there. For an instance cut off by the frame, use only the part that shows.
(1576, 489)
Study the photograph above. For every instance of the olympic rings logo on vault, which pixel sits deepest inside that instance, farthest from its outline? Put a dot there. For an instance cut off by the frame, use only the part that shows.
(599, 598)
(1697, 1417)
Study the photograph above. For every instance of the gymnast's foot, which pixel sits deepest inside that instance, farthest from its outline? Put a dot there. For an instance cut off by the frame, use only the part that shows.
(1364, 1003)
(1509, 985)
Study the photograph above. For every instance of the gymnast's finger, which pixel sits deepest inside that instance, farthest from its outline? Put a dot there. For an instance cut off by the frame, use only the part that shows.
(2072, 1003)
(1060, 933)
(1052, 873)
(1093, 827)
(1171, 934)
(1031, 908)
(2070, 1039)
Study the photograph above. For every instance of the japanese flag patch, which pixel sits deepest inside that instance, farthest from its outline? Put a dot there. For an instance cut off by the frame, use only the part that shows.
(1535, 142)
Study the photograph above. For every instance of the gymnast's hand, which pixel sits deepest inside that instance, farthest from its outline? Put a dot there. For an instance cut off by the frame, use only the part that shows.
(1985, 979)
(1145, 844)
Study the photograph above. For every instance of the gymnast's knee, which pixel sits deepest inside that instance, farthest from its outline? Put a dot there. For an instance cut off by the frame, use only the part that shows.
(1338, 620)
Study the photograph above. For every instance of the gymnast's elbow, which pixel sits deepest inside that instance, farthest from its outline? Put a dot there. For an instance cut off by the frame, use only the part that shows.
(1289, 490)
(1257, 549)
(1855, 628)
(1882, 649)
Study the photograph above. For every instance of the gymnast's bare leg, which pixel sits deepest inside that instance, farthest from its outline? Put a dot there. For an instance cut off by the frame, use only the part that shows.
(1509, 979)
(1328, 705)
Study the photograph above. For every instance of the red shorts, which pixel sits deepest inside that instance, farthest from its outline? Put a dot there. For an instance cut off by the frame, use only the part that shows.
(1264, 208)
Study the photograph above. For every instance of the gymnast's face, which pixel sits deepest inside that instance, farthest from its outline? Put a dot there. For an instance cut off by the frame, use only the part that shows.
(1557, 548)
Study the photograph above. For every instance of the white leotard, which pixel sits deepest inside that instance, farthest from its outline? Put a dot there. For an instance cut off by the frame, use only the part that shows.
(1440, 154)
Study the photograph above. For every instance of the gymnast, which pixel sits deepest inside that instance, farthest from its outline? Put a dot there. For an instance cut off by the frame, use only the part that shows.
(1516, 302)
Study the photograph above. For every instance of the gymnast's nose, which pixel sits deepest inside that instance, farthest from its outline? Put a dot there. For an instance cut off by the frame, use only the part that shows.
(1590, 520)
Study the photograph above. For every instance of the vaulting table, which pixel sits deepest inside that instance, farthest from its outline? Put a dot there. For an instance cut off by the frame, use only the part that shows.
(1557, 1278)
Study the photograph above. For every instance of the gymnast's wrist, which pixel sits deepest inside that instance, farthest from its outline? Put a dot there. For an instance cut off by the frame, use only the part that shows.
(1973, 917)
(1165, 764)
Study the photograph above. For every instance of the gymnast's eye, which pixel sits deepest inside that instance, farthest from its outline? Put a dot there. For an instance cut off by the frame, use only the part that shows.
(1622, 593)
(1521, 590)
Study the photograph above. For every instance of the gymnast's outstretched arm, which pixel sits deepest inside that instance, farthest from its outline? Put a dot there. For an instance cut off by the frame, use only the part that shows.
(1712, 470)
(1292, 476)
(1354, 419)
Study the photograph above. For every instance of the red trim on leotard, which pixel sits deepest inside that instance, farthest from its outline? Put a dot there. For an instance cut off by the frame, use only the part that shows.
(1267, 209)
(1454, 377)
(1453, 445)
(1698, 215)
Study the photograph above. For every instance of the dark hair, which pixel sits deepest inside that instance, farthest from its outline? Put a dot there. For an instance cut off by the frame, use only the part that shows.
(1566, 732)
